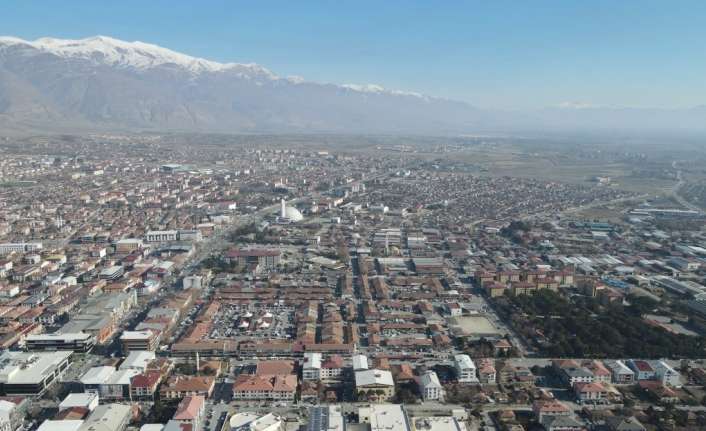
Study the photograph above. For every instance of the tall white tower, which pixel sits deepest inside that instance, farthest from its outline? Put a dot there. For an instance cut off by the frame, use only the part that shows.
(283, 209)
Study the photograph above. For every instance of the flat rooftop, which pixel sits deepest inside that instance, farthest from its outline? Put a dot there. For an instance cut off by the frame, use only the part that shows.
(29, 367)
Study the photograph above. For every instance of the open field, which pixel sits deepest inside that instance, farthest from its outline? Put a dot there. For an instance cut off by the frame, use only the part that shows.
(474, 325)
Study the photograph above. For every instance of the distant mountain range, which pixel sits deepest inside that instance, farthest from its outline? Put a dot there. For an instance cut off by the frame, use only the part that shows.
(104, 83)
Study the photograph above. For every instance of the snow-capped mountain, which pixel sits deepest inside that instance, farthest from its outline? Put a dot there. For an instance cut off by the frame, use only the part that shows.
(114, 52)
(105, 83)
(109, 83)
(107, 51)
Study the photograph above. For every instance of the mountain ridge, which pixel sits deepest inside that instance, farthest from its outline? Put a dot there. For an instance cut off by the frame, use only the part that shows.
(107, 83)
(140, 55)
(104, 83)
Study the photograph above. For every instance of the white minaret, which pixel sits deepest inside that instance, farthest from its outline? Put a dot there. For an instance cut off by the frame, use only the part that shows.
(283, 209)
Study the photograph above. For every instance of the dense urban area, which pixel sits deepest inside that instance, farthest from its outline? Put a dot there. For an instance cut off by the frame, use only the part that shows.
(273, 283)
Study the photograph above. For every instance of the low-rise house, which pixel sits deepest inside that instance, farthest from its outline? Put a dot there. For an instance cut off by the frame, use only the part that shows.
(143, 386)
(486, 371)
(600, 372)
(516, 375)
(562, 423)
(402, 373)
(620, 373)
(666, 374)
(542, 408)
(590, 392)
(622, 423)
(190, 411)
(502, 347)
(643, 370)
(658, 391)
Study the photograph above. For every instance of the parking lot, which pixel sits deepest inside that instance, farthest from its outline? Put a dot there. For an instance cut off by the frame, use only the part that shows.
(239, 322)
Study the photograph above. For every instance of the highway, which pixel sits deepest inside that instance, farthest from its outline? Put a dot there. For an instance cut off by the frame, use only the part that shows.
(674, 192)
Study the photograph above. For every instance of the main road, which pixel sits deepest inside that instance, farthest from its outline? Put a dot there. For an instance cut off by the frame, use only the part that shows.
(674, 192)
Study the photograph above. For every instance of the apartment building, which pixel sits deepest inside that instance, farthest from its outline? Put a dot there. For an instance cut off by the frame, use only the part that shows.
(430, 387)
(139, 340)
(78, 342)
(465, 369)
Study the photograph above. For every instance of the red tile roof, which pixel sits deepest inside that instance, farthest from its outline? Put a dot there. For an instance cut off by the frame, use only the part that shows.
(146, 380)
(274, 367)
(189, 407)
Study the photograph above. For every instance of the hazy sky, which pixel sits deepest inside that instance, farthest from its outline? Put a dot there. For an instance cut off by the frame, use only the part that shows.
(507, 54)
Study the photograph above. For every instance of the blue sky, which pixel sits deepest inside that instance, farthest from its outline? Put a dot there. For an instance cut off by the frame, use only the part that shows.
(502, 54)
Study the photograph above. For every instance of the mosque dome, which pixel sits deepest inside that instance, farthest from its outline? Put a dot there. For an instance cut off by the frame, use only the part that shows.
(293, 214)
